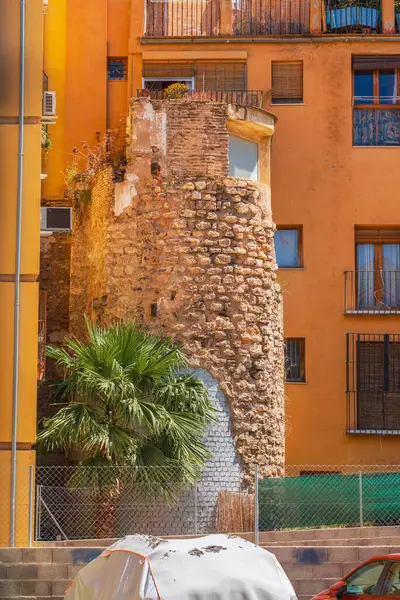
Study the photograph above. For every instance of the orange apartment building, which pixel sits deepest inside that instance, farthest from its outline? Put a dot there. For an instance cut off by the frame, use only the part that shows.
(330, 71)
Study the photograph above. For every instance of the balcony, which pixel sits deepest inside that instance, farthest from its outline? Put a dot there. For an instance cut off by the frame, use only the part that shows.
(372, 292)
(373, 383)
(352, 16)
(197, 18)
(244, 98)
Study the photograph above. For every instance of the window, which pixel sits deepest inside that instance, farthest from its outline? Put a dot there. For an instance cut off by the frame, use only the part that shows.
(376, 120)
(295, 371)
(288, 247)
(202, 75)
(243, 158)
(161, 84)
(117, 69)
(378, 268)
(373, 382)
(365, 581)
(391, 586)
(287, 82)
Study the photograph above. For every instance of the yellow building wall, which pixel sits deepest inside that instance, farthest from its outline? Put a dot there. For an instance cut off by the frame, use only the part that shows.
(54, 65)
(27, 375)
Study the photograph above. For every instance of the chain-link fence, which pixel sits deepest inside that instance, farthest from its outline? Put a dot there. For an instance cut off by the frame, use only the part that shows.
(69, 503)
(331, 496)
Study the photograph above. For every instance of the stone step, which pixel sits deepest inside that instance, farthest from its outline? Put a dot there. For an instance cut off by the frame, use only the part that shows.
(323, 571)
(330, 533)
(311, 587)
(48, 555)
(33, 597)
(329, 554)
(47, 571)
(15, 588)
(390, 541)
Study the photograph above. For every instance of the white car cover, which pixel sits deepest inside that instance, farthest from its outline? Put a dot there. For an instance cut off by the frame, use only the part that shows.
(215, 567)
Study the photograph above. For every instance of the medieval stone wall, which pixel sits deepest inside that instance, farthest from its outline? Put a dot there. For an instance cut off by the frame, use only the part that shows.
(183, 246)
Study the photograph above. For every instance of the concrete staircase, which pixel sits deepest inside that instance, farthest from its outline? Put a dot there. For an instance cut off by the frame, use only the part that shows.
(40, 573)
(312, 559)
(315, 559)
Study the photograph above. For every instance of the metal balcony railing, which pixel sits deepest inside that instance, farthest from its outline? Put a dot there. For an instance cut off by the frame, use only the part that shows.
(353, 16)
(377, 126)
(267, 17)
(244, 98)
(372, 292)
(195, 18)
(373, 383)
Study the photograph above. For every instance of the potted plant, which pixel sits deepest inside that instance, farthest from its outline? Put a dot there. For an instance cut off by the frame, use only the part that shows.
(349, 15)
(397, 9)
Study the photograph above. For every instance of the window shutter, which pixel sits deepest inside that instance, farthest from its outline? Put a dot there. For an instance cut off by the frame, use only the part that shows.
(370, 62)
(224, 76)
(364, 235)
(287, 82)
(167, 69)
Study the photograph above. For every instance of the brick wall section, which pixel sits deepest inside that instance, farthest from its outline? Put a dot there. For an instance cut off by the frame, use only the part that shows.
(197, 140)
(55, 252)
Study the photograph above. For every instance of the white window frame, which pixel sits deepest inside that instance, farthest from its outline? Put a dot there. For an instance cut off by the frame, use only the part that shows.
(231, 134)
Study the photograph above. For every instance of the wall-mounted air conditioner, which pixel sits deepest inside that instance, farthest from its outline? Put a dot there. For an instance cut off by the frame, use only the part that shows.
(55, 218)
(49, 104)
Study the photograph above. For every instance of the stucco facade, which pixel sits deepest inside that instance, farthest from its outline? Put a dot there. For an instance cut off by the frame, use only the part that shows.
(28, 310)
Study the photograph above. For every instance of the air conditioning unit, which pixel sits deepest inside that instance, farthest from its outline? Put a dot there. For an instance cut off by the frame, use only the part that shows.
(49, 104)
(55, 218)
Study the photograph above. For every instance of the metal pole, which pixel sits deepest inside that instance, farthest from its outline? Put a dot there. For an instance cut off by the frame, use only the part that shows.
(17, 274)
(30, 515)
(38, 509)
(360, 489)
(195, 509)
(256, 510)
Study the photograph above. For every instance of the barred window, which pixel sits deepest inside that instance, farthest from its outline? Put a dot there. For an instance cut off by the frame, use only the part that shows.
(295, 370)
(287, 82)
(117, 69)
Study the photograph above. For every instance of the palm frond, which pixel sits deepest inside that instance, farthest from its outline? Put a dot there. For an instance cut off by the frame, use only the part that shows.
(128, 402)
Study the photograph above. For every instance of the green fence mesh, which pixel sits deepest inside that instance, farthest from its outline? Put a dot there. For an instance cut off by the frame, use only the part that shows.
(330, 500)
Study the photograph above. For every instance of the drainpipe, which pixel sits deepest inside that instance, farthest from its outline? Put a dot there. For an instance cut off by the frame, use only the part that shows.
(17, 292)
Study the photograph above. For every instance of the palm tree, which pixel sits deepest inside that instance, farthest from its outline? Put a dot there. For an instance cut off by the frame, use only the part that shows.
(126, 402)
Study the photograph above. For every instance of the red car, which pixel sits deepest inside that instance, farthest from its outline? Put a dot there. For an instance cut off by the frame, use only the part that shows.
(378, 577)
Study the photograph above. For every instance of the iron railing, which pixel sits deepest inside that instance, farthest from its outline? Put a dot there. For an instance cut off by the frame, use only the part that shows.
(372, 292)
(195, 18)
(353, 16)
(247, 98)
(373, 383)
(376, 126)
(264, 17)
(182, 18)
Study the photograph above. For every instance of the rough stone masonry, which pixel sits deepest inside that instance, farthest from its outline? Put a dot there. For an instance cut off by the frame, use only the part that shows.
(180, 244)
